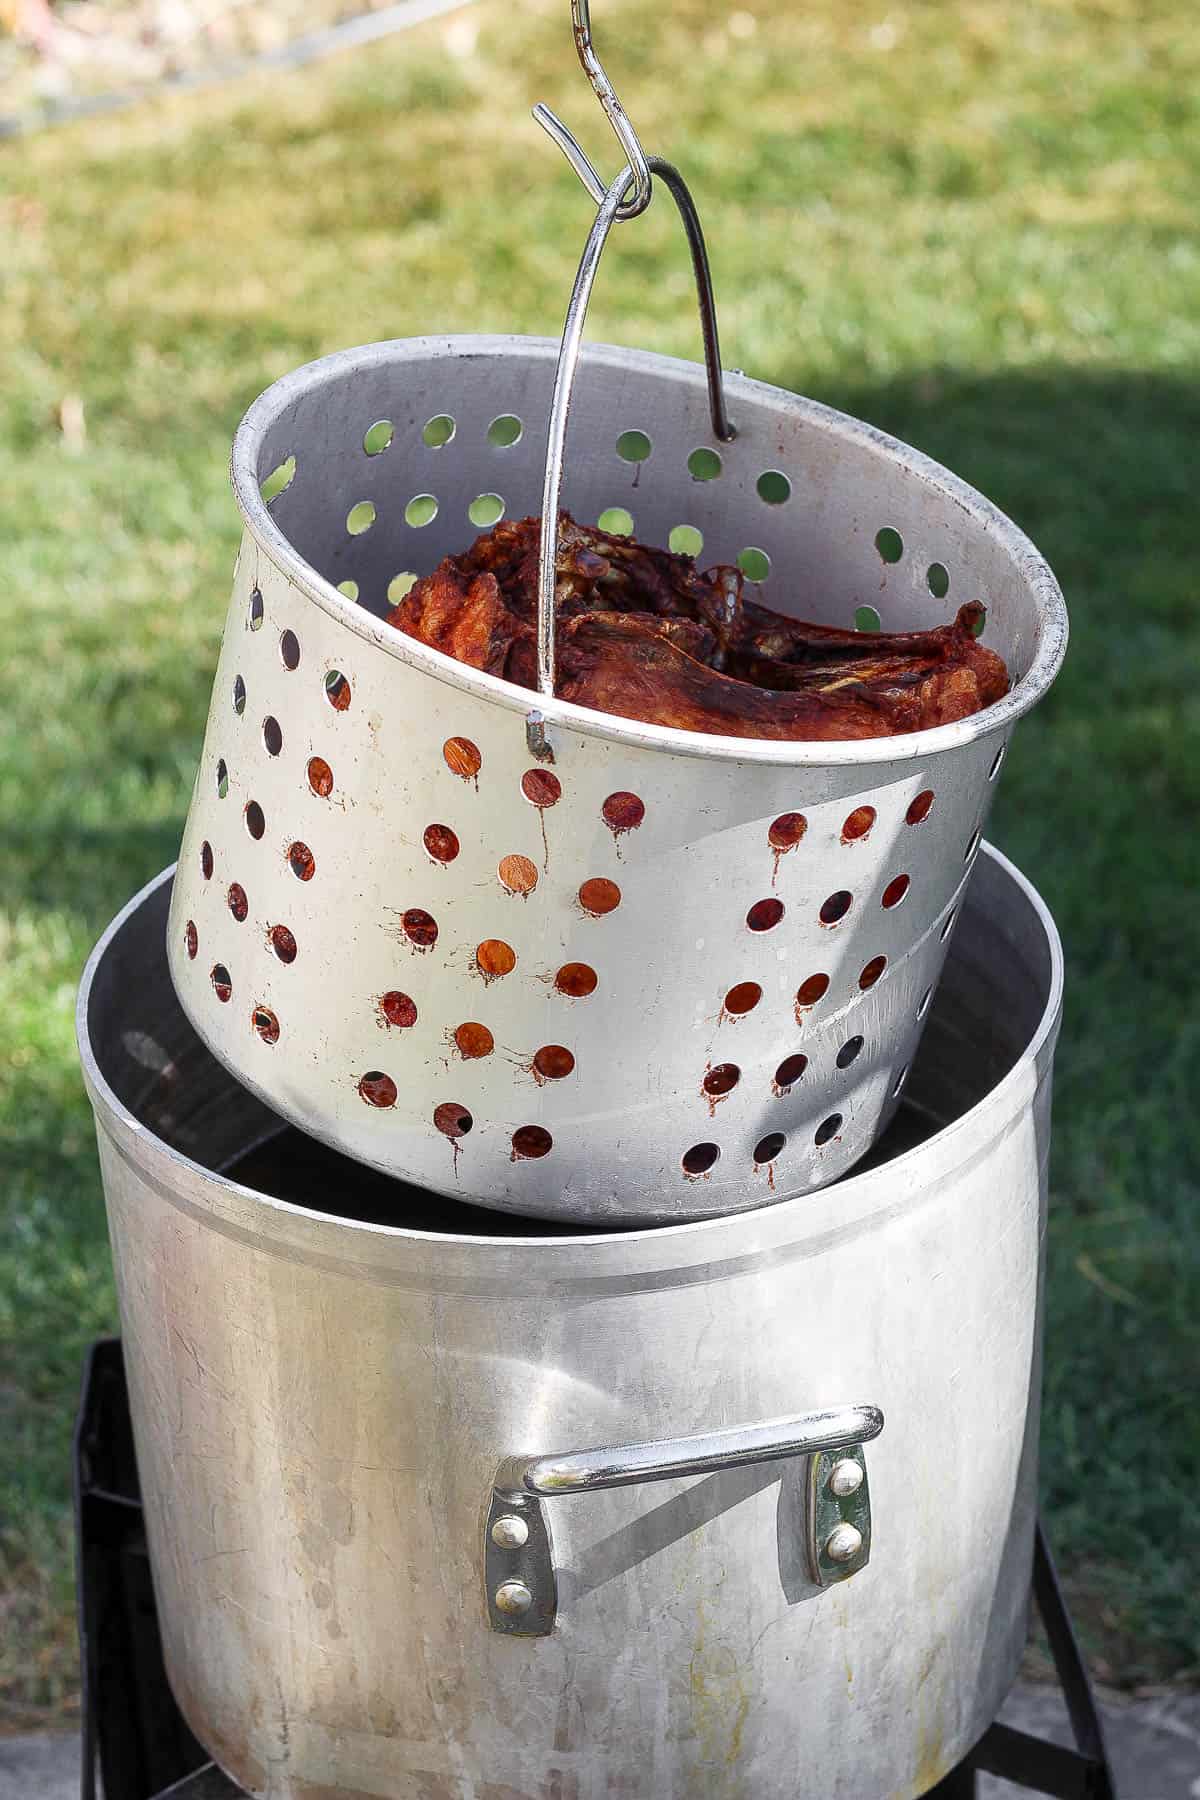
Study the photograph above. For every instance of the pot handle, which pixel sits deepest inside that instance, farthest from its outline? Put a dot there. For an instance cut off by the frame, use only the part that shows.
(519, 1575)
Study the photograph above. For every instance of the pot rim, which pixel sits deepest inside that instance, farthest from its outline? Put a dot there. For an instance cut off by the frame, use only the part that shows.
(687, 1237)
(794, 753)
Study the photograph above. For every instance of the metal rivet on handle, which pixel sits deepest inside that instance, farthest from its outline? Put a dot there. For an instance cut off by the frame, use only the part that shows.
(511, 1533)
(515, 1597)
(845, 1478)
(841, 1546)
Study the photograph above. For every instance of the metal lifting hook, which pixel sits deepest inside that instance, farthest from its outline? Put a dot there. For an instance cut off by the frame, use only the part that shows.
(612, 205)
(627, 137)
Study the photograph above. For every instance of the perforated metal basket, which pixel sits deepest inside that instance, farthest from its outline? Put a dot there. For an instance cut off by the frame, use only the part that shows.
(665, 974)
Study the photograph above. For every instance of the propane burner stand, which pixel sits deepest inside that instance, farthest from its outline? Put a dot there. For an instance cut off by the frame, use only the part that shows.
(133, 1729)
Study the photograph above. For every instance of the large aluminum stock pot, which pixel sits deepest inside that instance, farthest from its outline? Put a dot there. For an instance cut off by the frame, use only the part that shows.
(442, 1515)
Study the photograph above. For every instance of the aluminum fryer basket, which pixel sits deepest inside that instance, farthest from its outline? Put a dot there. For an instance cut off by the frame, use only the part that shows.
(513, 949)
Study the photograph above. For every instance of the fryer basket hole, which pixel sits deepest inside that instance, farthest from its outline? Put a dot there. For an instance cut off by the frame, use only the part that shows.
(598, 896)
(462, 757)
(518, 874)
(266, 1024)
(441, 843)
(699, 1159)
(438, 431)
(858, 824)
(398, 1009)
(554, 1062)
(541, 788)
(378, 437)
(531, 1141)
(787, 830)
(704, 464)
(283, 943)
(452, 1120)
(764, 915)
(320, 777)
(754, 563)
(773, 487)
(420, 928)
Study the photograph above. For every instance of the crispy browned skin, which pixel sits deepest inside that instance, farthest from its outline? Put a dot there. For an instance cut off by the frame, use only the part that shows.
(643, 634)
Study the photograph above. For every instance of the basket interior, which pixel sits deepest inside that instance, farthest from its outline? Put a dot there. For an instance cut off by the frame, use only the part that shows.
(378, 463)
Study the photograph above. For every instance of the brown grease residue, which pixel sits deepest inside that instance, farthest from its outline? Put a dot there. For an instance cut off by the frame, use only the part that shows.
(576, 980)
(206, 860)
(191, 941)
(222, 982)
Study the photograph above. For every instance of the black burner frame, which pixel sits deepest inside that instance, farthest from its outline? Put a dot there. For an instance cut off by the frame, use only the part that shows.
(134, 1732)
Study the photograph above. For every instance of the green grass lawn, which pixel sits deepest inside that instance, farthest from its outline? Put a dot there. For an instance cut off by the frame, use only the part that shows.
(974, 225)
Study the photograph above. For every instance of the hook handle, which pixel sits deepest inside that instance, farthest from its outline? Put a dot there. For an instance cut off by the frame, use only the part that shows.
(627, 137)
(568, 355)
